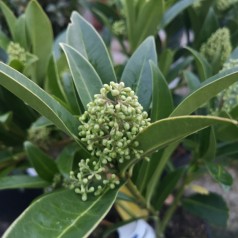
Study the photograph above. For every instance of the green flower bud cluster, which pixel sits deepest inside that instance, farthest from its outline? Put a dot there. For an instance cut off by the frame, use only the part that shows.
(217, 48)
(228, 98)
(108, 129)
(119, 27)
(92, 178)
(223, 5)
(112, 121)
(197, 4)
(16, 52)
(39, 136)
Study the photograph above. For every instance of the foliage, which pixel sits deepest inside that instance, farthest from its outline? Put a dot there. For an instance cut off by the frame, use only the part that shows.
(89, 125)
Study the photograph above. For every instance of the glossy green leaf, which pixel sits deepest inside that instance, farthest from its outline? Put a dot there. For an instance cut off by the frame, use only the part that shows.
(227, 150)
(162, 102)
(137, 73)
(212, 208)
(44, 165)
(21, 181)
(38, 99)
(10, 18)
(174, 11)
(208, 89)
(41, 38)
(86, 79)
(62, 214)
(172, 129)
(203, 67)
(220, 174)
(166, 187)
(66, 158)
(84, 38)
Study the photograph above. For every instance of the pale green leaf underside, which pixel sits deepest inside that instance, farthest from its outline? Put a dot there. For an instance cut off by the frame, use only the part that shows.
(61, 214)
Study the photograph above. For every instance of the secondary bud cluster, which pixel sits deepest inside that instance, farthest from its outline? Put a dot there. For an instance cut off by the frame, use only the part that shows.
(92, 178)
(228, 98)
(223, 5)
(16, 52)
(119, 27)
(108, 128)
(217, 48)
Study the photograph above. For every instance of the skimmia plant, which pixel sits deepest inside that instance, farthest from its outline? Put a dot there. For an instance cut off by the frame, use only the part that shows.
(115, 131)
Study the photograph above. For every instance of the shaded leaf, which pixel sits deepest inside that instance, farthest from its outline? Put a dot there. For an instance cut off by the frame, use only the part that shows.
(166, 187)
(219, 173)
(212, 208)
(44, 165)
(66, 158)
(174, 11)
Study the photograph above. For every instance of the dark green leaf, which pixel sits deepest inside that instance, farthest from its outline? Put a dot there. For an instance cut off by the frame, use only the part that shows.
(66, 158)
(166, 187)
(137, 73)
(21, 181)
(44, 165)
(62, 214)
(85, 39)
(212, 208)
(174, 11)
